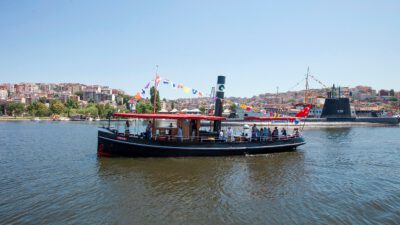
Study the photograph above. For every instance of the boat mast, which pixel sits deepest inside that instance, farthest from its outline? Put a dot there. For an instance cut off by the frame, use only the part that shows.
(155, 101)
(307, 86)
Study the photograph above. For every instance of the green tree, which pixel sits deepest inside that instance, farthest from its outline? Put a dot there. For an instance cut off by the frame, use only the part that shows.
(43, 100)
(391, 93)
(232, 107)
(70, 105)
(15, 108)
(158, 102)
(104, 110)
(100, 110)
(173, 105)
(92, 111)
(202, 109)
(108, 109)
(144, 107)
(38, 109)
(126, 99)
(57, 107)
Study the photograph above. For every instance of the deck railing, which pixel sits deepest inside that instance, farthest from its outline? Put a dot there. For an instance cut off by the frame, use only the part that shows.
(208, 139)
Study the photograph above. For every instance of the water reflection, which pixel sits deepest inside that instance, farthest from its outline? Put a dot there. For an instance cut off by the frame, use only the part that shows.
(179, 186)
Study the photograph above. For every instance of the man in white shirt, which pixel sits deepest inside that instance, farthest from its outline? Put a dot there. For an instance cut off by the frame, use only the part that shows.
(230, 134)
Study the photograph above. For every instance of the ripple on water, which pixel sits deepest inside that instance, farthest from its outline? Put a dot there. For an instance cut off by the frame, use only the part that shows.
(50, 174)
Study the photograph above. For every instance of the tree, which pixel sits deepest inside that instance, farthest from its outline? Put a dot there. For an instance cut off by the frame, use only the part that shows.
(108, 109)
(202, 109)
(105, 109)
(391, 93)
(71, 104)
(145, 107)
(43, 100)
(232, 107)
(91, 110)
(2, 109)
(38, 109)
(173, 105)
(158, 103)
(15, 108)
(57, 107)
(126, 99)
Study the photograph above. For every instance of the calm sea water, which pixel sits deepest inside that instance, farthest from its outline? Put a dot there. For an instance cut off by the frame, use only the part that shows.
(50, 174)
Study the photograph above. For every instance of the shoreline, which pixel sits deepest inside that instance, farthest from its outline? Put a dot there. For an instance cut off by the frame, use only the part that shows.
(313, 124)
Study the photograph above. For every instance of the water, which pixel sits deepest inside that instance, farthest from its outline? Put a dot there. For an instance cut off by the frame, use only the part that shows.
(50, 174)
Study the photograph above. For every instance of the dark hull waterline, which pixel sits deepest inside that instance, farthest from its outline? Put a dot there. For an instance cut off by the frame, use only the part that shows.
(111, 146)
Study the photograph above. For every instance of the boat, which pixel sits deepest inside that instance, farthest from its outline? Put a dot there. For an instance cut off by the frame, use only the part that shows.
(165, 142)
(188, 138)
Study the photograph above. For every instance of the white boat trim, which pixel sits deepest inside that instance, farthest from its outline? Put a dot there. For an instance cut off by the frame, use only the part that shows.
(192, 148)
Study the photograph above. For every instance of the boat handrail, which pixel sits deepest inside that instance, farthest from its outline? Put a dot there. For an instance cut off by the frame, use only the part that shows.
(211, 139)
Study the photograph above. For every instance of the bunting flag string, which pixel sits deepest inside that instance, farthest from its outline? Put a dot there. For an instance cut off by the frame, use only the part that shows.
(196, 92)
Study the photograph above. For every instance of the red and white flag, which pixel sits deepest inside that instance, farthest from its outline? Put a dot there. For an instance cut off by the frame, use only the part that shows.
(158, 80)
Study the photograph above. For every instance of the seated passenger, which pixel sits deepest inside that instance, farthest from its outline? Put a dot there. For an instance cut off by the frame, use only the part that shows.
(296, 132)
(275, 133)
(284, 133)
(254, 130)
(269, 132)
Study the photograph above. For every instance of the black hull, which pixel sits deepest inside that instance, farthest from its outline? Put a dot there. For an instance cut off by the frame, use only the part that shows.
(111, 145)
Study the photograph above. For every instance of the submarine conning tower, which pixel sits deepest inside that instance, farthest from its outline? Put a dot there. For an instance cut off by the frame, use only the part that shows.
(337, 108)
(220, 94)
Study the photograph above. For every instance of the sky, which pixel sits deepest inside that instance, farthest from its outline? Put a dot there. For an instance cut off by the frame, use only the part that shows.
(257, 45)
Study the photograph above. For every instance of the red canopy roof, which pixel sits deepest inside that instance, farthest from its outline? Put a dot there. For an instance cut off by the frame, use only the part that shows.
(168, 116)
(263, 118)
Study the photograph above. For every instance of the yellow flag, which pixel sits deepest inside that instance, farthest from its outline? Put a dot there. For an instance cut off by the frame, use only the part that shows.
(186, 90)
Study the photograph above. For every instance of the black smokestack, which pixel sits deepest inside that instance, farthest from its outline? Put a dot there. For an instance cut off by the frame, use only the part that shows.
(220, 94)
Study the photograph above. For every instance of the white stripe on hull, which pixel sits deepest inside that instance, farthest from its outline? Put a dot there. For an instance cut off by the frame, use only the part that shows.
(202, 148)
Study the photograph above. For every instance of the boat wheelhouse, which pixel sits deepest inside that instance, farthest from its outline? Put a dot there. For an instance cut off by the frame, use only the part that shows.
(185, 137)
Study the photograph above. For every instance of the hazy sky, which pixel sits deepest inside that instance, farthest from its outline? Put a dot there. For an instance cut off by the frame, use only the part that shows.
(258, 45)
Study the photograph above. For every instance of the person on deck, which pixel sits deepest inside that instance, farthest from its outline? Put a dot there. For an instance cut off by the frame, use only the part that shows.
(149, 130)
(261, 134)
(254, 132)
(296, 132)
(230, 134)
(127, 125)
(180, 134)
(284, 133)
(194, 130)
(275, 133)
(269, 133)
(222, 135)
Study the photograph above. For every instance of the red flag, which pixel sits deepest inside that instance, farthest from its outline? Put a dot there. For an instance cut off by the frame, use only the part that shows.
(304, 112)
